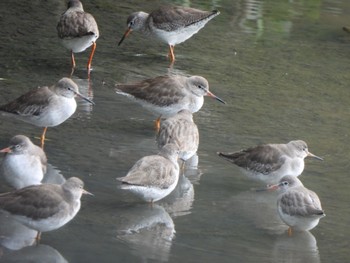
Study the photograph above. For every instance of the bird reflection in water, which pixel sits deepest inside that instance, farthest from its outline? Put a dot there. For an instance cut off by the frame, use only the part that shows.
(38, 254)
(149, 230)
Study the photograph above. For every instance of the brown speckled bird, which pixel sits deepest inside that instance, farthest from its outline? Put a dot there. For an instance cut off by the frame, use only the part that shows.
(170, 24)
(167, 95)
(78, 31)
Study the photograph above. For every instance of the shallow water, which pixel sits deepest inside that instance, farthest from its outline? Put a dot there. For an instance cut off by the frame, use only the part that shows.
(283, 69)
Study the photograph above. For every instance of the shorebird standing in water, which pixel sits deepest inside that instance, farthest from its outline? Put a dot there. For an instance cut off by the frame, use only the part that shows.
(46, 106)
(44, 207)
(299, 207)
(24, 163)
(154, 177)
(170, 24)
(270, 162)
(167, 95)
(78, 30)
(181, 130)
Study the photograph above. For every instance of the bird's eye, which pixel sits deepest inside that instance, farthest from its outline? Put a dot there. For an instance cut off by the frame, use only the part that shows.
(201, 87)
(18, 146)
(285, 183)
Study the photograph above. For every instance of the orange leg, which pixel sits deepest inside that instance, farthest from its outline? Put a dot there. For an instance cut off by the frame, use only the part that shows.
(157, 124)
(91, 56)
(171, 53)
(73, 63)
(42, 139)
(290, 231)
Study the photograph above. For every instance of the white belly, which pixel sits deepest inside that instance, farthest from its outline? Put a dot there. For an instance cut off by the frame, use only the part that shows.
(168, 111)
(22, 170)
(79, 44)
(51, 223)
(179, 36)
(298, 222)
(63, 109)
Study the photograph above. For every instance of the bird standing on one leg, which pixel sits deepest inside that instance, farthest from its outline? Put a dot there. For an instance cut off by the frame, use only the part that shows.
(46, 106)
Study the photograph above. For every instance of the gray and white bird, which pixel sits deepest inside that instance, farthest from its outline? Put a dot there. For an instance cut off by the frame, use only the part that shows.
(181, 130)
(24, 163)
(169, 24)
(167, 95)
(270, 162)
(298, 207)
(44, 207)
(46, 106)
(153, 177)
(78, 30)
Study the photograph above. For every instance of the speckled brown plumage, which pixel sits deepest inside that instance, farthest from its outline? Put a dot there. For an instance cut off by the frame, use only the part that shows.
(169, 24)
(77, 23)
(172, 18)
(181, 130)
(155, 176)
(161, 91)
(167, 95)
(78, 30)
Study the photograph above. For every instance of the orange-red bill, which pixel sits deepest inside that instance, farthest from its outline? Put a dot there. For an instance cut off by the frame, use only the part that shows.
(271, 187)
(6, 150)
(127, 32)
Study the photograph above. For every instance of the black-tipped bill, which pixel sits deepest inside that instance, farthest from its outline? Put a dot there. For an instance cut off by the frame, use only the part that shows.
(215, 97)
(314, 156)
(85, 98)
(127, 32)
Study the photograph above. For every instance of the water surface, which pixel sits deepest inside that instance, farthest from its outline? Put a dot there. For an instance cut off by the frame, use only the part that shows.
(283, 69)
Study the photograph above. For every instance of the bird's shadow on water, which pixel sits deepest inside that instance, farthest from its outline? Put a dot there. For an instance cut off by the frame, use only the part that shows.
(14, 235)
(300, 247)
(177, 203)
(147, 229)
(259, 209)
(53, 175)
(38, 253)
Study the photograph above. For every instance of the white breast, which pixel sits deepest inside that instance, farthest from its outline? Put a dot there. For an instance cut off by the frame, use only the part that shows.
(62, 108)
(22, 170)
